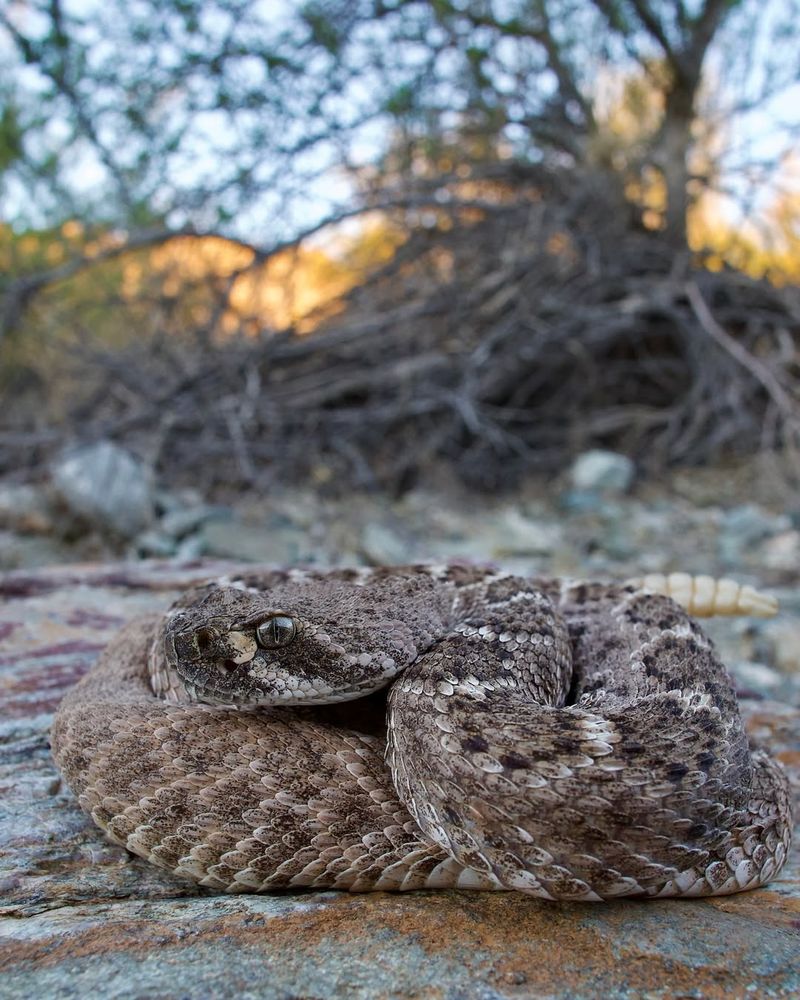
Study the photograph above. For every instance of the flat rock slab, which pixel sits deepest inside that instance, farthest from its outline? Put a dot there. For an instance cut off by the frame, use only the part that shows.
(81, 917)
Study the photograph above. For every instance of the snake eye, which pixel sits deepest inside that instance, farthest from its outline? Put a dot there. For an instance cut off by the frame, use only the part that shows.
(277, 631)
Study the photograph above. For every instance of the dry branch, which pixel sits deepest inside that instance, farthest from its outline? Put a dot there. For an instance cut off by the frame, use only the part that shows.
(500, 343)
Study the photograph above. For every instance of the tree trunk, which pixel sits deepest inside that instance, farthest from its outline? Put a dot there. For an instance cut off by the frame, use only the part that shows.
(672, 158)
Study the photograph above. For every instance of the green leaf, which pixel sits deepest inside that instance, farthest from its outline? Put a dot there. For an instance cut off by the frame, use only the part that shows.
(323, 30)
(11, 136)
(401, 101)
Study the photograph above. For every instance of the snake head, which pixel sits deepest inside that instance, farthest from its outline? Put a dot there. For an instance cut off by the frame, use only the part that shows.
(233, 646)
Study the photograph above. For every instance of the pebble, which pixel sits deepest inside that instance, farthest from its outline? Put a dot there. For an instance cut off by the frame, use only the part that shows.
(19, 551)
(781, 639)
(743, 528)
(383, 546)
(605, 472)
(154, 543)
(26, 509)
(234, 539)
(107, 486)
(782, 552)
(516, 535)
(182, 520)
(537, 532)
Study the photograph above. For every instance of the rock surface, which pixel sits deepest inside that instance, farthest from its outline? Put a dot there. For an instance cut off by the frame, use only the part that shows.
(601, 471)
(107, 486)
(81, 917)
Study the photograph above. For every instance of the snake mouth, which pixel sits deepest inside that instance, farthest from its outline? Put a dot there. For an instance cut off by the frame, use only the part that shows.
(229, 666)
(209, 696)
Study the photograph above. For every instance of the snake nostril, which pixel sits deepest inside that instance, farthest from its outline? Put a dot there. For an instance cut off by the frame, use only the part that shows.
(205, 638)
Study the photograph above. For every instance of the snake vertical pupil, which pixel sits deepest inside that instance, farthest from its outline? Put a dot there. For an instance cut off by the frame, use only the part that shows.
(277, 631)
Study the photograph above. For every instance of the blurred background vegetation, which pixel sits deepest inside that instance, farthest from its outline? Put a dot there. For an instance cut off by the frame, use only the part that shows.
(347, 242)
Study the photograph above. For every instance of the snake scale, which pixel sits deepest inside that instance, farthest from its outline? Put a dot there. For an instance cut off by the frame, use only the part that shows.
(429, 727)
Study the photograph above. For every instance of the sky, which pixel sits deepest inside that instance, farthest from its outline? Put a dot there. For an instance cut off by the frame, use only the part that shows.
(755, 137)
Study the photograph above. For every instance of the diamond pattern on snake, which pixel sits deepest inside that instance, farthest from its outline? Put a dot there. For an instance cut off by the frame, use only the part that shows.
(430, 727)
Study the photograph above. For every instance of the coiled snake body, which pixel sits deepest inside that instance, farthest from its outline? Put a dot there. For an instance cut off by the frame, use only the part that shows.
(571, 740)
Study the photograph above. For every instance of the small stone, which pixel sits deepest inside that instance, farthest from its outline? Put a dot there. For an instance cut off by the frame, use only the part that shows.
(190, 547)
(234, 539)
(744, 527)
(299, 508)
(783, 641)
(23, 551)
(181, 520)
(154, 543)
(165, 501)
(516, 535)
(384, 547)
(169, 500)
(615, 539)
(107, 486)
(782, 551)
(580, 502)
(756, 677)
(24, 508)
(599, 471)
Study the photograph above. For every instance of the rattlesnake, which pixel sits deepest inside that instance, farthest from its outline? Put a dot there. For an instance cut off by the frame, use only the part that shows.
(572, 740)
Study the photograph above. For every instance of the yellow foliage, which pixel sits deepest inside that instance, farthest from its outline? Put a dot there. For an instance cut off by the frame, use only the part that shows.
(198, 257)
(770, 250)
(178, 286)
(28, 244)
(559, 243)
(72, 229)
(629, 110)
(296, 288)
(54, 254)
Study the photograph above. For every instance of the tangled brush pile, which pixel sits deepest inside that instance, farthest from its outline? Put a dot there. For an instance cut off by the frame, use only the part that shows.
(502, 342)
